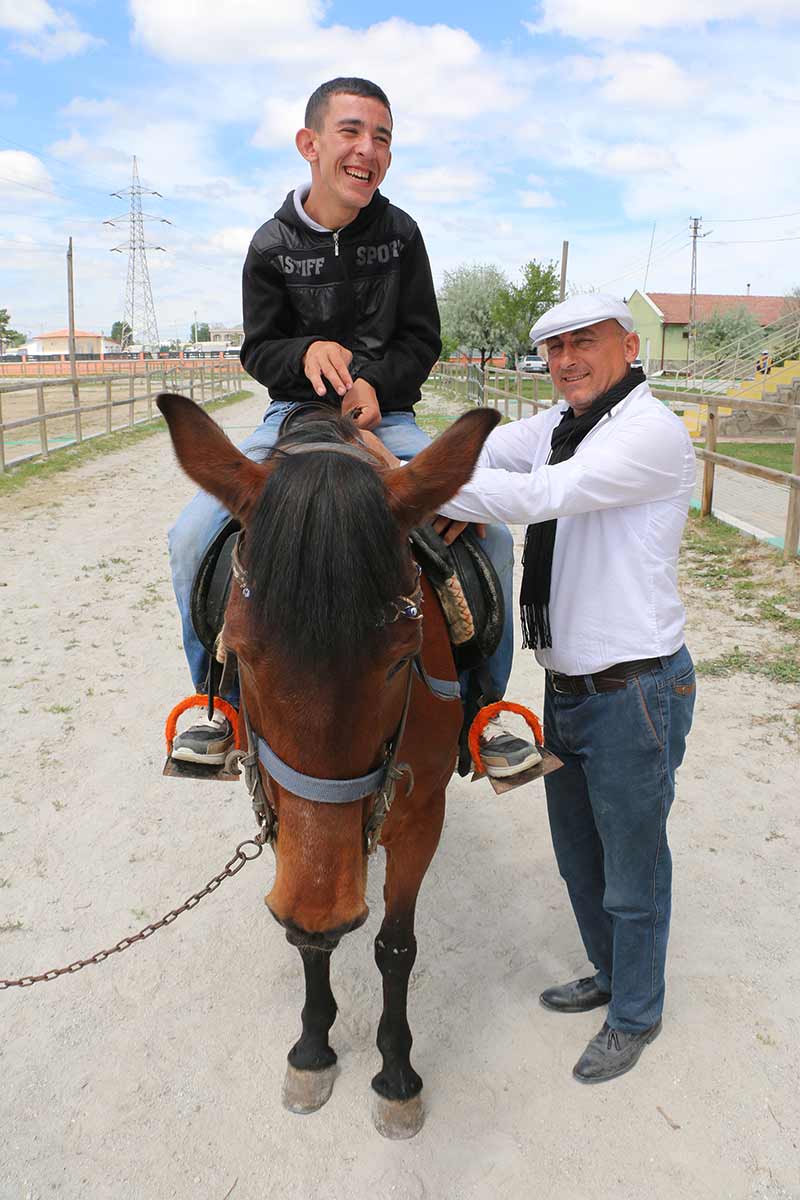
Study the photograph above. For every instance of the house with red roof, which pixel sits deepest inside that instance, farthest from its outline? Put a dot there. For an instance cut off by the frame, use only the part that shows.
(662, 321)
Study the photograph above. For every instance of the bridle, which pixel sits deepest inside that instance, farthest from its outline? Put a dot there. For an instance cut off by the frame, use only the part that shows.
(383, 780)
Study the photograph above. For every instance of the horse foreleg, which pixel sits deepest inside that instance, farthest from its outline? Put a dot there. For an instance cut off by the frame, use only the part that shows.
(398, 1111)
(312, 1063)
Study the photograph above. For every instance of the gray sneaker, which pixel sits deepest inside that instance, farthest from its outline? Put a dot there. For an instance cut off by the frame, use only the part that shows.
(206, 742)
(503, 753)
(612, 1052)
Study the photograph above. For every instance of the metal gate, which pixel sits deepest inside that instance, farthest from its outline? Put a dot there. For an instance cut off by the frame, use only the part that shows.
(475, 384)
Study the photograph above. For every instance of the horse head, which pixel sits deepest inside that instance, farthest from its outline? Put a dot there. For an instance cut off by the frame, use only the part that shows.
(324, 631)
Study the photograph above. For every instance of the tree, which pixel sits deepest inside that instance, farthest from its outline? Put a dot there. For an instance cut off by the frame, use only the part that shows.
(720, 333)
(8, 337)
(121, 332)
(468, 303)
(519, 308)
(200, 332)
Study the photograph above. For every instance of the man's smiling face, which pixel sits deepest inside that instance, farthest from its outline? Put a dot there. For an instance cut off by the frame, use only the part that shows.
(349, 155)
(585, 363)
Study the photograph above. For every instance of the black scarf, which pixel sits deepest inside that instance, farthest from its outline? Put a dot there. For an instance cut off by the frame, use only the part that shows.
(540, 540)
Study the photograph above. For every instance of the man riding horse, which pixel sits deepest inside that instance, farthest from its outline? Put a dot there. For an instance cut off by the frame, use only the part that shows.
(339, 309)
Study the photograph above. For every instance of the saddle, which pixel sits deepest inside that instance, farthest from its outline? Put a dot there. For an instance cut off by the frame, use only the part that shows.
(462, 576)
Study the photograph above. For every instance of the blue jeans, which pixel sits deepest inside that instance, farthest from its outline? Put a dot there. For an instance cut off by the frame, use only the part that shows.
(204, 517)
(608, 807)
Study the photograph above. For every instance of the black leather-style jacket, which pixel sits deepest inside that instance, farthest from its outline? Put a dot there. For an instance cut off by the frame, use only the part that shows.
(367, 286)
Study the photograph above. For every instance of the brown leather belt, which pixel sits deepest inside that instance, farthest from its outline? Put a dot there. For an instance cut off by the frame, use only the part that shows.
(609, 680)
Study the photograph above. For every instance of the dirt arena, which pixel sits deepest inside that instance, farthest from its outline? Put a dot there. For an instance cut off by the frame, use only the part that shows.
(157, 1074)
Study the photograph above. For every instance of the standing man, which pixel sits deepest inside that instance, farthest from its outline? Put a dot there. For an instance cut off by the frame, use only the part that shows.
(339, 308)
(603, 481)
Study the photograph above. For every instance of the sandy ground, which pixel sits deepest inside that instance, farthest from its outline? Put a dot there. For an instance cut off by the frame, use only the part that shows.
(157, 1074)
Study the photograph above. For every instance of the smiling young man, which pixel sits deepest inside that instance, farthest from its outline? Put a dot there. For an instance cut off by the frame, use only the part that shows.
(603, 481)
(339, 308)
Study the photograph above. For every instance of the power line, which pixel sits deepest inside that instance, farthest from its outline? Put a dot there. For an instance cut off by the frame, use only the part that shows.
(742, 220)
(757, 241)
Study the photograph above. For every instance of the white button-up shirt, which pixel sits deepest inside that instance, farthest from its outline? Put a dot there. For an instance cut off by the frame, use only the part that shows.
(621, 503)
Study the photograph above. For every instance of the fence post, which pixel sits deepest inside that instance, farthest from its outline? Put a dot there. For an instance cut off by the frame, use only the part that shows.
(149, 396)
(2, 439)
(507, 386)
(519, 396)
(76, 393)
(131, 394)
(202, 385)
(108, 405)
(792, 535)
(42, 419)
(707, 501)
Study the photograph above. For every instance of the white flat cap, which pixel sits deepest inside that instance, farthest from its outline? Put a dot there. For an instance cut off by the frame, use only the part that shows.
(580, 311)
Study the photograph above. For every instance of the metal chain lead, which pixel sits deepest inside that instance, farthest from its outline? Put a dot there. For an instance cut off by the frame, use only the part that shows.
(231, 867)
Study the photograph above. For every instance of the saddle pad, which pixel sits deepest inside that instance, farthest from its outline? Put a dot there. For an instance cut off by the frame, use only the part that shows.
(212, 585)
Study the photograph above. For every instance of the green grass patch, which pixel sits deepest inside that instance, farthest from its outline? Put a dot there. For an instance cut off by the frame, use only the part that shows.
(777, 455)
(781, 667)
(75, 456)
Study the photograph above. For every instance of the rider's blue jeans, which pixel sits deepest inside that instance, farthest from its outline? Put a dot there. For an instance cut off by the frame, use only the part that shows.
(608, 807)
(204, 516)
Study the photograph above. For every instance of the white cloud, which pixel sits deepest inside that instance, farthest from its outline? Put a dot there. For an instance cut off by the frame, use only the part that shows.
(444, 184)
(29, 17)
(90, 109)
(24, 177)
(537, 199)
(619, 19)
(48, 34)
(239, 30)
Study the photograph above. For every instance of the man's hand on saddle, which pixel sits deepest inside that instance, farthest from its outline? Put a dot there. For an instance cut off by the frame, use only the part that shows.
(328, 360)
(449, 530)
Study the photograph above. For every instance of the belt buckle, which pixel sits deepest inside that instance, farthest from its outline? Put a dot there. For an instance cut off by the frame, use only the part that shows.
(559, 691)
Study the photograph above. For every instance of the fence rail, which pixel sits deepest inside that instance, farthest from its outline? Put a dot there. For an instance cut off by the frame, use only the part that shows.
(528, 394)
(140, 387)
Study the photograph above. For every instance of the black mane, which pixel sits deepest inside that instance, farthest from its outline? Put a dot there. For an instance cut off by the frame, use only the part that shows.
(322, 552)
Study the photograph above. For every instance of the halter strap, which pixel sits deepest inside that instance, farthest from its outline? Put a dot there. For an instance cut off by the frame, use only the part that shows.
(322, 791)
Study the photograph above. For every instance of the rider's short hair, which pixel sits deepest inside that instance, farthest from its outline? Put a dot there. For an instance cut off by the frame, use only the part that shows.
(349, 86)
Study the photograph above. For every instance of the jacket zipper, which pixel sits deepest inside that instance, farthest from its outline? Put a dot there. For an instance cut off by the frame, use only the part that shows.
(336, 233)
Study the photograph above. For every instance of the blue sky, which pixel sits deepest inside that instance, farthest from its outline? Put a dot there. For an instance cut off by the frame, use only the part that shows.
(517, 125)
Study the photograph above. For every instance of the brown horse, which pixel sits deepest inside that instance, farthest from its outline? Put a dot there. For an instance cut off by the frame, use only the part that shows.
(339, 677)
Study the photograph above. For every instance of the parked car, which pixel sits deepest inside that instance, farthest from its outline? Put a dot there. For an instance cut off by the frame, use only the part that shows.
(533, 363)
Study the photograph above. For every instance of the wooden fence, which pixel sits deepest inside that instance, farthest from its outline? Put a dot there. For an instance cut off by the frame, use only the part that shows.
(517, 394)
(133, 390)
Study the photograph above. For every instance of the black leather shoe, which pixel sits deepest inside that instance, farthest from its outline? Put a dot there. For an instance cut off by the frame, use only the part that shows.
(579, 996)
(612, 1052)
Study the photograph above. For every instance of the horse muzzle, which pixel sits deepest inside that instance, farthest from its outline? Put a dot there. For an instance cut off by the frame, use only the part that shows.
(325, 940)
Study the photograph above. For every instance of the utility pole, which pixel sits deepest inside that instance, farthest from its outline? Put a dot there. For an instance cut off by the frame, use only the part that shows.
(564, 252)
(649, 256)
(71, 320)
(140, 315)
(691, 351)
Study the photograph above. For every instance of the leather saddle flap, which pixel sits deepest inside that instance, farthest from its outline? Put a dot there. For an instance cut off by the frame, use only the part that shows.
(212, 585)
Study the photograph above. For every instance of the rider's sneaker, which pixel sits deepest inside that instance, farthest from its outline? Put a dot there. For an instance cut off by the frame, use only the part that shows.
(206, 742)
(504, 754)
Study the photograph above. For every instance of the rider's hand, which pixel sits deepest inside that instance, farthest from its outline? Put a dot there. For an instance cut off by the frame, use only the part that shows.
(449, 530)
(363, 395)
(328, 360)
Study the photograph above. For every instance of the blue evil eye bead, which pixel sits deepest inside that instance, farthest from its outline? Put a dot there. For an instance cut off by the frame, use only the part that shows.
(246, 593)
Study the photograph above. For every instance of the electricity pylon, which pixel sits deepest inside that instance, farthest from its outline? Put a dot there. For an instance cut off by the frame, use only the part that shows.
(139, 323)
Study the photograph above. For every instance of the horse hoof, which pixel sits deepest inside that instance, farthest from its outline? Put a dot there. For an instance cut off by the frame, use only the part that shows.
(306, 1091)
(398, 1119)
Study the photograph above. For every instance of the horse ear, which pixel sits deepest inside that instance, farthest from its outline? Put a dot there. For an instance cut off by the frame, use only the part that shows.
(210, 458)
(418, 489)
